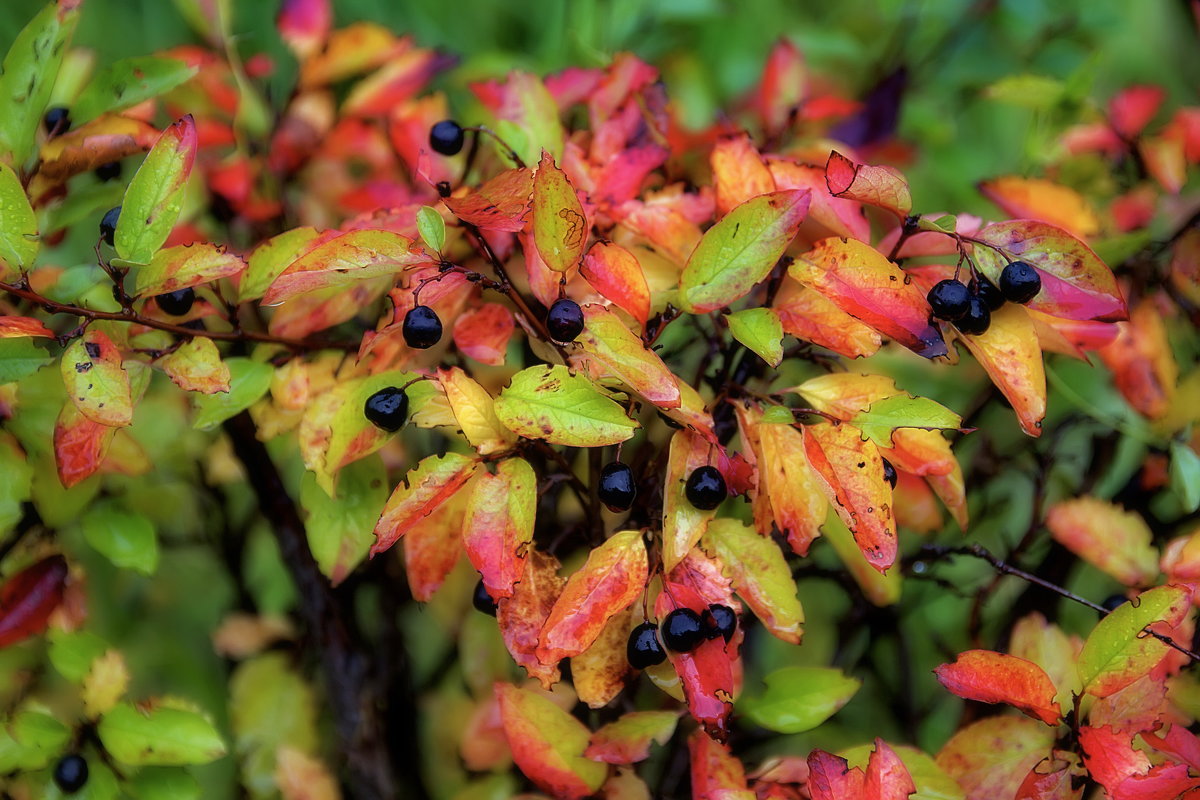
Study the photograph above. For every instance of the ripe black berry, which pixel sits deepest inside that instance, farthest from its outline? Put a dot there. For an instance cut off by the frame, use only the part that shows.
(564, 320)
(57, 121)
(71, 773)
(719, 620)
(108, 224)
(422, 329)
(949, 299)
(387, 409)
(644, 649)
(617, 489)
(705, 488)
(447, 137)
(176, 303)
(1020, 282)
(978, 318)
(889, 473)
(682, 630)
(482, 600)
(1113, 602)
(106, 172)
(992, 297)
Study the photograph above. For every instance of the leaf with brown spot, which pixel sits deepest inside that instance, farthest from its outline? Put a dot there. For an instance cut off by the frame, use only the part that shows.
(522, 616)
(500, 204)
(96, 381)
(560, 229)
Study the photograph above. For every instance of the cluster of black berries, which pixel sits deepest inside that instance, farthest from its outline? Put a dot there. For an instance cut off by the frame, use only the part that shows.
(682, 631)
(970, 308)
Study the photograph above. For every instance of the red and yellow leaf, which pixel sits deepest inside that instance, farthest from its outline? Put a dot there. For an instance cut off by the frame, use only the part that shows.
(807, 314)
(739, 173)
(683, 524)
(1111, 539)
(615, 351)
(500, 204)
(990, 758)
(347, 258)
(22, 327)
(522, 616)
(96, 381)
(1142, 362)
(716, 772)
(187, 265)
(706, 673)
(598, 673)
(861, 281)
(1010, 354)
(990, 677)
(433, 546)
(547, 744)
(560, 229)
(474, 409)
(628, 739)
(196, 366)
(614, 575)
(483, 333)
(881, 186)
(499, 524)
(1040, 199)
(80, 445)
(615, 273)
(425, 487)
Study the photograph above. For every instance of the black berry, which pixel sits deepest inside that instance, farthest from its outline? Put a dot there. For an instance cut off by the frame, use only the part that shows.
(1113, 602)
(617, 489)
(422, 329)
(71, 773)
(719, 620)
(992, 297)
(1020, 282)
(387, 409)
(106, 172)
(682, 630)
(889, 473)
(447, 137)
(564, 320)
(57, 120)
(949, 299)
(644, 649)
(108, 224)
(705, 488)
(482, 600)
(978, 318)
(176, 303)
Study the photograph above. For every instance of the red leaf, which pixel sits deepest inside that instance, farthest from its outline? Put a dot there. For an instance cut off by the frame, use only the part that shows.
(1131, 109)
(304, 24)
(782, 86)
(29, 597)
(1126, 773)
(522, 616)
(615, 273)
(613, 577)
(79, 445)
(707, 671)
(887, 778)
(831, 778)
(1179, 742)
(878, 186)
(1051, 779)
(714, 768)
(20, 327)
(501, 204)
(1144, 368)
(999, 678)
(850, 472)
(483, 333)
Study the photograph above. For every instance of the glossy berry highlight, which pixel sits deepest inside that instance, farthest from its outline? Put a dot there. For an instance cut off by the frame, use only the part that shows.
(889, 473)
(1020, 282)
(705, 488)
(70, 773)
(617, 489)
(949, 299)
(719, 621)
(564, 320)
(977, 320)
(108, 224)
(176, 303)
(643, 648)
(447, 137)
(421, 328)
(387, 409)
(683, 630)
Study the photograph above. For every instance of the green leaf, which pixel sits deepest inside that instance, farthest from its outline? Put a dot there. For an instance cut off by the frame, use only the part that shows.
(432, 228)
(19, 358)
(799, 699)
(155, 195)
(1116, 652)
(777, 415)
(740, 250)
(162, 737)
(553, 404)
(125, 538)
(30, 740)
(1185, 476)
(1037, 92)
(340, 530)
(559, 225)
(163, 783)
(903, 411)
(249, 380)
(17, 485)
(27, 77)
(128, 82)
(271, 258)
(270, 705)
(947, 223)
(72, 653)
(761, 330)
(18, 225)
(760, 574)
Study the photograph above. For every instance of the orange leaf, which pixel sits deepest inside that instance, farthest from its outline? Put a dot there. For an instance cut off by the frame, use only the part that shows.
(433, 546)
(615, 351)
(738, 172)
(501, 204)
(860, 281)
(499, 524)
(998, 678)
(1009, 352)
(878, 186)
(21, 327)
(1142, 361)
(349, 51)
(613, 577)
(522, 615)
(807, 314)
(425, 487)
(547, 744)
(96, 142)
(1040, 199)
(850, 472)
(1113, 540)
(483, 333)
(715, 770)
(615, 273)
(79, 445)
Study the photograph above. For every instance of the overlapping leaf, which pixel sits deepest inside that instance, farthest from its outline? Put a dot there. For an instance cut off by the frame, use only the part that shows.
(425, 487)
(499, 524)
(351, 257)
(1117, 653)
(154, 197)
(553, 404)
(621, 354)
(760, 574)
(878, 186)
(548, 744)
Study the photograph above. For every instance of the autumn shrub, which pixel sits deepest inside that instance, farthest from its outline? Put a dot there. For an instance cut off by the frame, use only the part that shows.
(561, 449)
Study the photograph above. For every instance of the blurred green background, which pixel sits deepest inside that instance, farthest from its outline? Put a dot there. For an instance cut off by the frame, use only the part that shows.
(712, 51)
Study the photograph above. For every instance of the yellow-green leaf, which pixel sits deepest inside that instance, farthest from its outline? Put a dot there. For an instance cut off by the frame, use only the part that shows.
(1117, 653)
(761, 330)
(559, 225)
(760, 574)
(186, 265)
(903, 411)
(615, 351)
(196, 366)
(27, 77)
(18, 226)
(552, 404)
(162, 736)
(96, 381)
(154, 197)
(799, 699)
